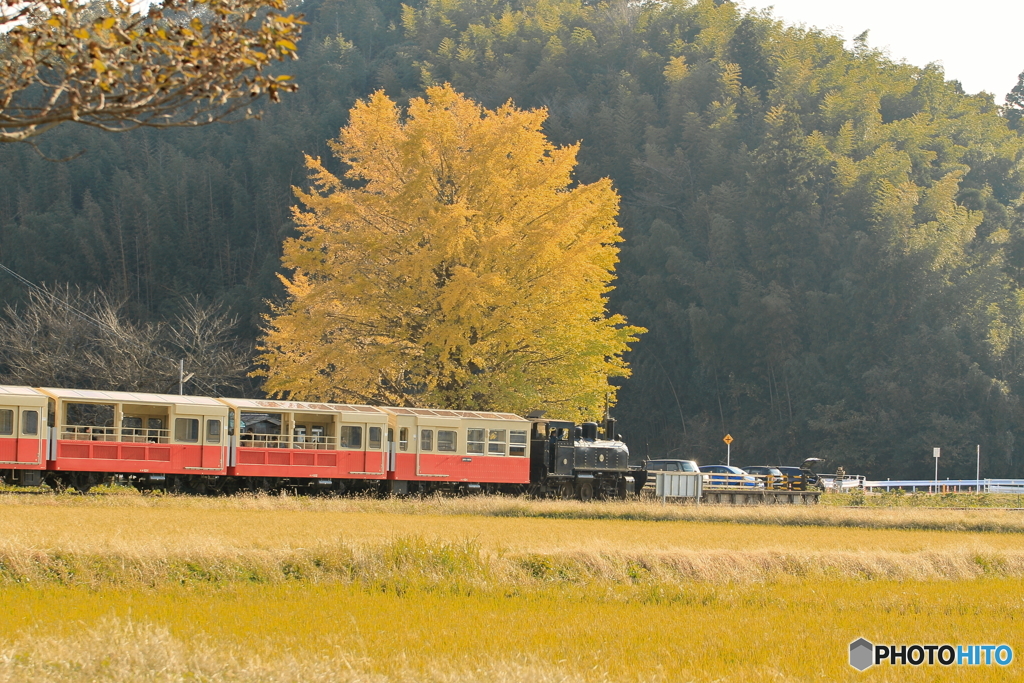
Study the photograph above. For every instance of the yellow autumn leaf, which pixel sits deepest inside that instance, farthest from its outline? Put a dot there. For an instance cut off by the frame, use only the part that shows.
(81, 33)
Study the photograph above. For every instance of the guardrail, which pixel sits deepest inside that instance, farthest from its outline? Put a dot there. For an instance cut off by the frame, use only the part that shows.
(948, 485)
(714, 480)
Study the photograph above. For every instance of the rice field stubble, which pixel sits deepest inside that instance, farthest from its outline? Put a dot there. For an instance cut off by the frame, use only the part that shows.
(267, 588)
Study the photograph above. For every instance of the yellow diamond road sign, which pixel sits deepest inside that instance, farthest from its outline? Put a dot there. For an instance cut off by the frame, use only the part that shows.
(728, 438)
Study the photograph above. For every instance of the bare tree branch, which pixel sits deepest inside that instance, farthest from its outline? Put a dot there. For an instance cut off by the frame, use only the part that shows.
(64, 338)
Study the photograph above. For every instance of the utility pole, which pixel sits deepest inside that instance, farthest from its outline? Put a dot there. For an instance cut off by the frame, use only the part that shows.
(935, 454)
(977, 475)
(182, 377)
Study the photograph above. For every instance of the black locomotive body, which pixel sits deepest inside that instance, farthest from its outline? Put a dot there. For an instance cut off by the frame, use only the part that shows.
(573, 461)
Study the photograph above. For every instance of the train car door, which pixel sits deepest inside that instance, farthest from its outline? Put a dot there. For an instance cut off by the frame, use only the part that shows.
(30, 436)
(213, 443)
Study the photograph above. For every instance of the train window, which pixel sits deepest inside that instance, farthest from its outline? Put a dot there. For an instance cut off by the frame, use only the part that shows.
(6, 422)
(375, 437)
(131, 428)
(426, 439)
(517, 442)
(403, 439)
(155, 425)
(213, 431)
(299, 434)
(447, 440)
(186, 429)
(351, 436)
(78, 415)
(475, 441)
(30, 422)
(496, 441)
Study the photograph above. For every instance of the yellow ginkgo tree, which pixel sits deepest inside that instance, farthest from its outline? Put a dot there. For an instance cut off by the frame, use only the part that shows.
(456, 265)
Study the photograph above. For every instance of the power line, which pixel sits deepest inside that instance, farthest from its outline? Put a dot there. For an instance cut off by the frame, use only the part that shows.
(81, 314)
(40, 290)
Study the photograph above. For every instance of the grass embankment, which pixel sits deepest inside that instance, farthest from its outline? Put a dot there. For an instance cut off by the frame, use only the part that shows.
(125, 587)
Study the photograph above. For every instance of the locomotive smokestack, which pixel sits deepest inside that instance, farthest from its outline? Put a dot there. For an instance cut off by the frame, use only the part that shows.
(609, 428)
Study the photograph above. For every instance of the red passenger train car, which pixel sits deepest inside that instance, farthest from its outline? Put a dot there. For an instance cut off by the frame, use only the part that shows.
(326, 445)
(23, 434)
(458, 449)
(156, 439)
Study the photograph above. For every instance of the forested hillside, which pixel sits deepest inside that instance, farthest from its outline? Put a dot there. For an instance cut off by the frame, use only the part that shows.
(826, 247)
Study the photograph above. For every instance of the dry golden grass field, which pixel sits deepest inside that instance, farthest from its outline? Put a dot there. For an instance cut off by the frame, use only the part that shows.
(123, 587)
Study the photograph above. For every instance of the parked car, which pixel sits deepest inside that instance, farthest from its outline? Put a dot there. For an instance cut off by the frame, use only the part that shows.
(671, 466)
(806, 469)
(771, 476)
(727, 475)
(646, 477)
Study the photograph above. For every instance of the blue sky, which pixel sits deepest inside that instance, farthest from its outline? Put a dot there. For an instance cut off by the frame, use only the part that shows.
(979, 43)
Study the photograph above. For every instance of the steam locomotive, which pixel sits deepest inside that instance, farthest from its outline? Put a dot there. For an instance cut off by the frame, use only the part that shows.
(72, 438)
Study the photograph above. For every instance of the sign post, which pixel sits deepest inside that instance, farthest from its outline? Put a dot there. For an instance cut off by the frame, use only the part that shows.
(935, 454)
(977, 475)
(728, 448)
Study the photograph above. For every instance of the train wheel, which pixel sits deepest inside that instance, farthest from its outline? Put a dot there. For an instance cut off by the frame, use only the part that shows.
(585, 491)
(567, 491)
(84, 481)
(59, 482)
(621, 490)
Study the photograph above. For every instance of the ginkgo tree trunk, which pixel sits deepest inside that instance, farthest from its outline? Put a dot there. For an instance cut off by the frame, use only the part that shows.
(455, 265)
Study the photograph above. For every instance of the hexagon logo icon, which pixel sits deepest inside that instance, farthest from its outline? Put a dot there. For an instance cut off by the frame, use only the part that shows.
(861, 654)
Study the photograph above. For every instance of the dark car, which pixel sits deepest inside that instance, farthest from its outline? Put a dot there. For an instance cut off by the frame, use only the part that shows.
(802, 476)
(772, 477)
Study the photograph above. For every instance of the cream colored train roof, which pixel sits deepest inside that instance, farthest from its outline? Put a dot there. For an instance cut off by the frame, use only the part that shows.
(472, 414)
(265, 405)
(7, 390)
(130, 397)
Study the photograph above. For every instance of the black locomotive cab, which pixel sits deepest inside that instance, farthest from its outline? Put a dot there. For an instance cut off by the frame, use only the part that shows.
(572, 460)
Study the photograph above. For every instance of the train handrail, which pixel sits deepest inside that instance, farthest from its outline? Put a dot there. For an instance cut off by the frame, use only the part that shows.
(114, 434)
